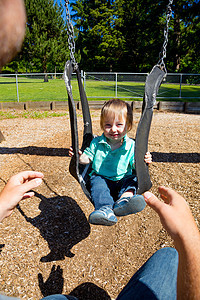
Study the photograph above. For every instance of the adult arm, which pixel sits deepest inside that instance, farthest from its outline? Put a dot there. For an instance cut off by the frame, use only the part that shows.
(17, 188)
(177, 219)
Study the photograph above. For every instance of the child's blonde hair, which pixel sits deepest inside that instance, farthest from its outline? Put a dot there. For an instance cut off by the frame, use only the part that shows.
(119, 107)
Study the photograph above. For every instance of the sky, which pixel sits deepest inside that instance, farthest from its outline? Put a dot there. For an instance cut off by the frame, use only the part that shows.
(62, 2)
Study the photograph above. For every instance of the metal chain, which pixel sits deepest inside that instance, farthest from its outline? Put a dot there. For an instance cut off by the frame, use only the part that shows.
(162, 54)
(71, 42)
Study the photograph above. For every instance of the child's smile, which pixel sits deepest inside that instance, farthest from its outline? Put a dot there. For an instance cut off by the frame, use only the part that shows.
(115, 129)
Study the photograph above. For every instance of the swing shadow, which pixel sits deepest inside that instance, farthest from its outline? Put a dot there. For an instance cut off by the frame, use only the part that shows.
(62, 224)
(176, 157)
(64, 152)
(34, 150)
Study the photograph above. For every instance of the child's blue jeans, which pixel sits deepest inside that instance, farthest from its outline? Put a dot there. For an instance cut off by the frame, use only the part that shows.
(155, 280)
(105, 192)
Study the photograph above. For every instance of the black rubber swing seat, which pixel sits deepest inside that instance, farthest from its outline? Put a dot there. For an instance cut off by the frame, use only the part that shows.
(81, 172)
(152, 84)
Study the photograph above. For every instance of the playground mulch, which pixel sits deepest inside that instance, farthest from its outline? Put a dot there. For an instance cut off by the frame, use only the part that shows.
(47, 245)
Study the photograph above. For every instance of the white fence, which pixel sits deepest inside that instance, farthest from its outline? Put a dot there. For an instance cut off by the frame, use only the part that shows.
(98, 86)
(178, 87)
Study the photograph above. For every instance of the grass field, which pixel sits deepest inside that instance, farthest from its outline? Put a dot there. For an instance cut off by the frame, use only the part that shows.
(32, 89)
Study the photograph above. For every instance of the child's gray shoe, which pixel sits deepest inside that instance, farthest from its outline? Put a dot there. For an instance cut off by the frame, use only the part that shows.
(103, 216)
(129, 205)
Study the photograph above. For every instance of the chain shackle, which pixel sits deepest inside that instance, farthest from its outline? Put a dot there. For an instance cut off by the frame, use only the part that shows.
(70, 31)
(162, 54)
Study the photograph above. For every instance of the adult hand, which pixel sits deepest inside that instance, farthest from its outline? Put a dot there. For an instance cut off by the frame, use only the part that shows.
(177, 219)
(17, 188)
(174, 213)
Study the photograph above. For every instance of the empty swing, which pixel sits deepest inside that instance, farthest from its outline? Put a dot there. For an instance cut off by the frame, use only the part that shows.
(153, 81)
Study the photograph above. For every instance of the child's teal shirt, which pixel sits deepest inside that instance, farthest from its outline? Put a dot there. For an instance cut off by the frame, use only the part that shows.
(111, 164)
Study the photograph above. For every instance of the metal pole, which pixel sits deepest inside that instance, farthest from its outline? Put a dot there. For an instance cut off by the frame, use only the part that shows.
(180, 85)
(115, 85)
(17, 88)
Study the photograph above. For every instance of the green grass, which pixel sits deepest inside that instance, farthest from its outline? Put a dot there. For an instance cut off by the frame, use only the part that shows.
(32, 89)
(30, 114)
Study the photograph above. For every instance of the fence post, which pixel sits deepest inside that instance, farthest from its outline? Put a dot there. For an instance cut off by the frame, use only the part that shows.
(115, 85)
(180, 85)
(17, 88)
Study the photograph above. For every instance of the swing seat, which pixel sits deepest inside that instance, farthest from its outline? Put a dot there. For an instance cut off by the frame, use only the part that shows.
(81, 172)
(78, 171)
(152, 84)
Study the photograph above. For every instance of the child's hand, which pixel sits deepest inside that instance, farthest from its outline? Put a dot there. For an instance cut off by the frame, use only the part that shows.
(83, 158)
(148, 158)
(71, 152)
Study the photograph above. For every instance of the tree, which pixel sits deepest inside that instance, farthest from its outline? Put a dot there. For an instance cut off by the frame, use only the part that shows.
(128, 34)
(45, 45)
(142, 28)
(111, 35)
(187, 37)
(99, 41)
(124, 34)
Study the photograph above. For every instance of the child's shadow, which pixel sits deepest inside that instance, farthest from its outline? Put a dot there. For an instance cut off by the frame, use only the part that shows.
(62, 224)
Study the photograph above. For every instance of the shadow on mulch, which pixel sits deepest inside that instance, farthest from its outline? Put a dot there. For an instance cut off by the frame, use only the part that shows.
(54, 285)
(64, 152)
(34, 150)
(1, 247)
(90, 291)
(62, 224)
(176, 157)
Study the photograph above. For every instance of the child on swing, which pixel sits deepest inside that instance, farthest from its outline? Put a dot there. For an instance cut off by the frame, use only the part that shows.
(113, 186)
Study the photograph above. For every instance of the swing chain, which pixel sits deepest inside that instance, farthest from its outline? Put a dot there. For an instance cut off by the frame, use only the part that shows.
(70, 29)
(162, 54)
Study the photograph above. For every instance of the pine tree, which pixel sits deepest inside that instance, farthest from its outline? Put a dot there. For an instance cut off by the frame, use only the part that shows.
(45, 46)
(185, 43)
(99, 41)
(128, 34)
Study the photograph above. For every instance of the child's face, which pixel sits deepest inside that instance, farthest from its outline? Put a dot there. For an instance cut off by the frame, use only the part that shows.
(115, 128)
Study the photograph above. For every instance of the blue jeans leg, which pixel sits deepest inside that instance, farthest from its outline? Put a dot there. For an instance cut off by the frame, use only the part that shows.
(59, 297)
(155, 280)
(100, 192)
(126, 184)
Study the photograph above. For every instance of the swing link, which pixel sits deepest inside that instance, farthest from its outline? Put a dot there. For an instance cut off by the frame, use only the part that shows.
(162, 54)
(71, 42)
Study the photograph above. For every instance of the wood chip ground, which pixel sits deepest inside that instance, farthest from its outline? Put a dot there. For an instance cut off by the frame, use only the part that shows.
(47, 245)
